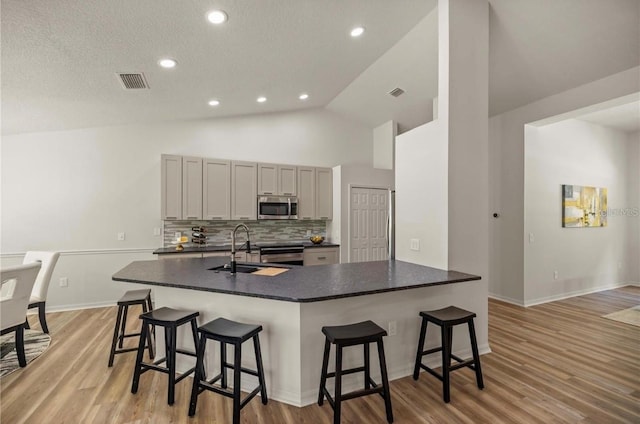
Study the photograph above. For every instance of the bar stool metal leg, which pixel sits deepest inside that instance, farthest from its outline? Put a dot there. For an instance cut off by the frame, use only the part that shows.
(367, 367)
(385, 381)
(137, 371)
(116, 331)
(195, 389)
(423, 335)
(476, 355)
(258, 353)
(338, 390)
(323, 375)
(446, 362)
(171, 362)
(237, 365)
(124, 326)
(223, 364)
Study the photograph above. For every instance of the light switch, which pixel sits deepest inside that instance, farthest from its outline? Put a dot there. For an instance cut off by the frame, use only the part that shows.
(121, 236)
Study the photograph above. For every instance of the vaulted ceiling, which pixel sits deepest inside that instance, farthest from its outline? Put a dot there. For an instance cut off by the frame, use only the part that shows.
(60, 58)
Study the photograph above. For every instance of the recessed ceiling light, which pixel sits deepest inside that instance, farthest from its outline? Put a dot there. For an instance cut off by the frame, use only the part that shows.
(217, 17)
(357, 31)
(261, 99)
(167, 63)
(303, 96)
(214, 102)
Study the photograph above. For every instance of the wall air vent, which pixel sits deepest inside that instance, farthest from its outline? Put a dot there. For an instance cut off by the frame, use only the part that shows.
(132, 81)
(396, 92)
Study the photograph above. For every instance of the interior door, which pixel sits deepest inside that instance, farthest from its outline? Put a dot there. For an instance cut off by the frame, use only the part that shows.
(359, 226)
(368, 224)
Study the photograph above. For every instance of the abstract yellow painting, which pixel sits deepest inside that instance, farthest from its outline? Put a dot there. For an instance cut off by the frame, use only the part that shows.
(584, 206)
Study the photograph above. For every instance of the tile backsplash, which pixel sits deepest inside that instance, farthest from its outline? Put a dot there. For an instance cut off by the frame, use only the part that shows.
(219, 232)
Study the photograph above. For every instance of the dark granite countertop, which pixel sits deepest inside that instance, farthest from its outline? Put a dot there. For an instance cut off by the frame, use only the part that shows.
(299, 284)
(227, 248)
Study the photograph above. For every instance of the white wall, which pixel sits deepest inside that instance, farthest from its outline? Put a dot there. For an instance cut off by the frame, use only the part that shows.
(383, 145)
(345, 177)
(422, 195)
(586, 259)
(74, 191)
(507, 183)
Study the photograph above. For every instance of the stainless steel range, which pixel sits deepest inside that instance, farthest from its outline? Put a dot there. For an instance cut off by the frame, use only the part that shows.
(281, 253)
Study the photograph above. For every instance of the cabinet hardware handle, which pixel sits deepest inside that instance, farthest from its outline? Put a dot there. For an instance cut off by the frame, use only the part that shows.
(192, 217)
(268, 192)
(324, 217)
(171, 217)
(322, 258)
(215, 217)
(244, 217)
(287, 194)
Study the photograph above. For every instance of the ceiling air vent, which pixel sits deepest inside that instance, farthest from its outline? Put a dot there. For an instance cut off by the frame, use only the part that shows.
(132, 81)
(396, 92)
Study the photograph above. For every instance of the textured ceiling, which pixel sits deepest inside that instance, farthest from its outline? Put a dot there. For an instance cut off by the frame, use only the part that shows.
(59, 58)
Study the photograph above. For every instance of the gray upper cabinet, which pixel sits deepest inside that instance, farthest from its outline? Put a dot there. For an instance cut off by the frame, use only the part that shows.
(324, 193)
(280, 180)
(287, 180)
(244, 190)
(267, 178)
(306, 192)
(171, 187)
(191, 188)
(216, 190)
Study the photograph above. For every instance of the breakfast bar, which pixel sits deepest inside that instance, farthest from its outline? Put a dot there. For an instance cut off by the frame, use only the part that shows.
(293, 305)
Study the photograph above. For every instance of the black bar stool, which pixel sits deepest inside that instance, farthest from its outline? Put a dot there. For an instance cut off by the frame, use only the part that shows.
(235, 333)
(349, 335)
(130, 298)
(447, 318)
(170, 319)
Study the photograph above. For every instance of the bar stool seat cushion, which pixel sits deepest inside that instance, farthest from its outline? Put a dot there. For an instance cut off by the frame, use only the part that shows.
(450, 315)
(134, 296)
(354, 333)
(230, 331)
(168, 316)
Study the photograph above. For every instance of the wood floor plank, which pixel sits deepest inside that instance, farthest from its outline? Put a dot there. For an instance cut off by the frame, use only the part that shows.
(557, 362)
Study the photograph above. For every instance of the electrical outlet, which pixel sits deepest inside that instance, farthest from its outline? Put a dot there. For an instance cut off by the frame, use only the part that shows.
(555, 275)
(531, 238)
(64, 282)
(308, 233)
(121, 236)
(393, 328)
(415, 244)
(177, 235)
(156, 231)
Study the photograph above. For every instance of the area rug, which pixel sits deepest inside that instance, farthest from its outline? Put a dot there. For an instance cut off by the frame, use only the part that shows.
(629, 316)
(35, 342)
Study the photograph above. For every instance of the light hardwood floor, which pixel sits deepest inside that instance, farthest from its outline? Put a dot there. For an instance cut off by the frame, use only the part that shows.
(557, 362)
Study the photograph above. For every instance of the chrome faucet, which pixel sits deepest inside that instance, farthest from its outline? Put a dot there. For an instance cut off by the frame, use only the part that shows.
(233, 245)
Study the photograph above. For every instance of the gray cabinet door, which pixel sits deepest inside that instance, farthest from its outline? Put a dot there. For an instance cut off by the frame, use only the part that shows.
(324, 193)
(267, 179)
(216, 190)
(321, 256)
(287, 180)
(306, 192)
(244, 190)
(171, 187)
(191, 188)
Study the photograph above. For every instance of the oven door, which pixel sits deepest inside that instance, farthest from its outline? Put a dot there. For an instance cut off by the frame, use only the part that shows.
(282, 258)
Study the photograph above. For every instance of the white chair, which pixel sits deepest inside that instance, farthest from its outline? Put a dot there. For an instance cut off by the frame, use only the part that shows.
(41, 287)
(17, 283)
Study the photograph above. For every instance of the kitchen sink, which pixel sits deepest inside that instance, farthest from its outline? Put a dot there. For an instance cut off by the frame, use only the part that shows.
(244, 268)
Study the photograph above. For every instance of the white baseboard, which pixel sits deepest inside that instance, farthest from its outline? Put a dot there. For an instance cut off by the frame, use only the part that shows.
(506, 299)
(562, 296)
(64, 308)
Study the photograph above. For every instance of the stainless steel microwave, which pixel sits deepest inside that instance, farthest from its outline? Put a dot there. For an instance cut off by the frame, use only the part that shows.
(273, 207)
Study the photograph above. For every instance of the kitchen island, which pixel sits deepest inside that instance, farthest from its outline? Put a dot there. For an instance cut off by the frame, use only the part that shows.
(293, 306)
